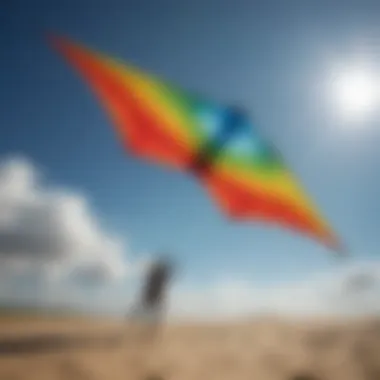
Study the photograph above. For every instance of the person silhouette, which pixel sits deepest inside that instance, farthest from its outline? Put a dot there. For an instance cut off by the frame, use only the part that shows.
(155, 286)
(152, 301)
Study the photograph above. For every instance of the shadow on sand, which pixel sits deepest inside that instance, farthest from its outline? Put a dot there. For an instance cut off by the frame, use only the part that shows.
(47, 343)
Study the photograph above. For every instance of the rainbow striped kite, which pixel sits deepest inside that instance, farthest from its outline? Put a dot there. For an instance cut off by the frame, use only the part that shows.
(219, 145)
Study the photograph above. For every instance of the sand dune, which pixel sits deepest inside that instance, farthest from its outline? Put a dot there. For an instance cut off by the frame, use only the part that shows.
(262, 349)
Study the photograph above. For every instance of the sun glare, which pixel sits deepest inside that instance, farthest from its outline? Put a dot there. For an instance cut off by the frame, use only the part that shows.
(356, 94)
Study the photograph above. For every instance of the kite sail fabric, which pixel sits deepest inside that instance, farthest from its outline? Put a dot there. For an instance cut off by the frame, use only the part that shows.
(159, 121)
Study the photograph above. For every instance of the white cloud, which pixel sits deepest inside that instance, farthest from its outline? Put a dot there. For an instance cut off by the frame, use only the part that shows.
(51, 232)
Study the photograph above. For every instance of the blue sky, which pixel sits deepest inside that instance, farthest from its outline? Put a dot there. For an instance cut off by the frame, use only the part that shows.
(275, 58)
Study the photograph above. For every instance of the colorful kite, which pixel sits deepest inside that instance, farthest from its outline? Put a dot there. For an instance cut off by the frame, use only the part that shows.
(219, 145)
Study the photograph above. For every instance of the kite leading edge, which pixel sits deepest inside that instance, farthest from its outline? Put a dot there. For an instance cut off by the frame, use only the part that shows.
(160, 122)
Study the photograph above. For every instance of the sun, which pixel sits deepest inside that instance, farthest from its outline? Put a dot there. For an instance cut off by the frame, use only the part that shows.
(355, 93)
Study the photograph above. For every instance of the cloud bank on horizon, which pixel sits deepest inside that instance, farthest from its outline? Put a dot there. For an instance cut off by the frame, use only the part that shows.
(350, 291)
(51, 235)
(52, 231)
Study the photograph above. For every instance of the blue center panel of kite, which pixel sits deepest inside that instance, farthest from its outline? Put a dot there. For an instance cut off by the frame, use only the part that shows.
(229, 131)
(248, 143)
(219, 124)
(210, 119)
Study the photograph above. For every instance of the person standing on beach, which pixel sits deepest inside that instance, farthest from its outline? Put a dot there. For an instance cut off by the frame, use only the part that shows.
(155, 290)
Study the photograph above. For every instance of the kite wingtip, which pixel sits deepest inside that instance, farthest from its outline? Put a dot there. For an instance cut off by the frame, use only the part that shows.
(341, 251)
(52, 37)
(337, 247)
(56, 40)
